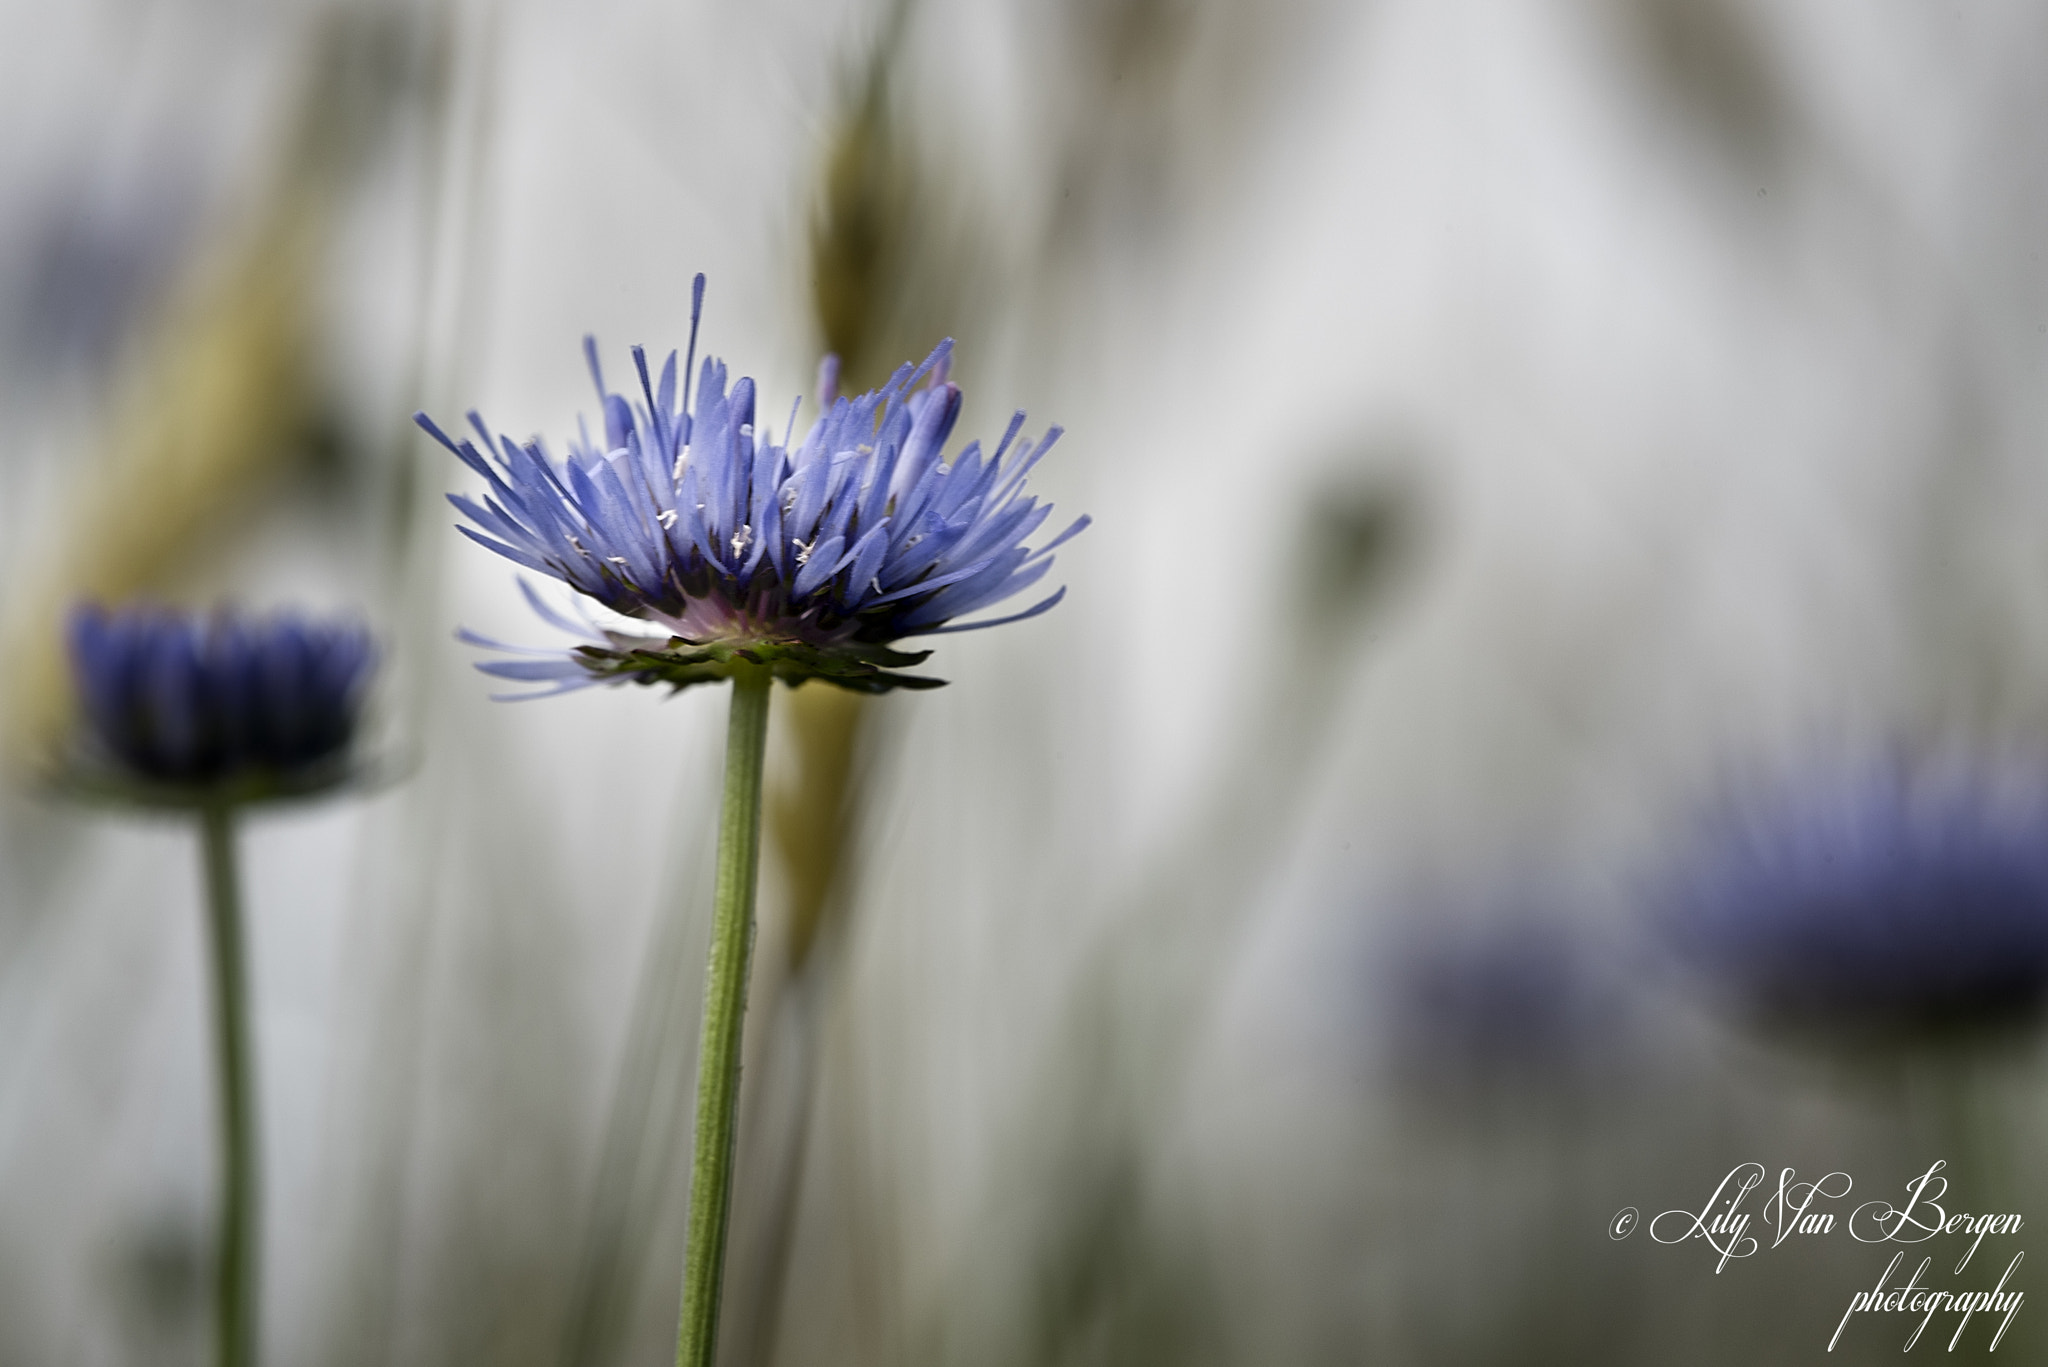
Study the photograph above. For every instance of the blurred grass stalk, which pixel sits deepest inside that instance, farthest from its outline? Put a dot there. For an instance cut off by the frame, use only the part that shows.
(1109, 1276)
(225, 388)
(880, 291)
(215, 402)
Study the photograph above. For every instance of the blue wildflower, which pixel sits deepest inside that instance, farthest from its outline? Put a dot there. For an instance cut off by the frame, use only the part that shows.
(1893, 901)
(216, 705)
(1516, 1002)
(808, 557)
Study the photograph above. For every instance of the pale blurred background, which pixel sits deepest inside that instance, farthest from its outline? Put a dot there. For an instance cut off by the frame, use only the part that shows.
(1504, 421)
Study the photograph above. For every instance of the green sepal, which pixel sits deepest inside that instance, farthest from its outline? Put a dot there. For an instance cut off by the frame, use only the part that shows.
(85, 777)
(858, 668)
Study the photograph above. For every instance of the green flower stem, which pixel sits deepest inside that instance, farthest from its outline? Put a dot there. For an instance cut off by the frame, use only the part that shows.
(235, 1291)
(725, 1007)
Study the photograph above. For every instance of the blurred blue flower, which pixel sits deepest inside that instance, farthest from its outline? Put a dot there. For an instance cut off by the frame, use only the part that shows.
(206, 706)
(1520, 1001)
(1896, 900)
(809, 558)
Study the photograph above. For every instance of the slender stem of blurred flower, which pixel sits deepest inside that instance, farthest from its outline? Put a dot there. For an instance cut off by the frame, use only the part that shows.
(1960, 1139)
(235, 1303)
(725, 1006)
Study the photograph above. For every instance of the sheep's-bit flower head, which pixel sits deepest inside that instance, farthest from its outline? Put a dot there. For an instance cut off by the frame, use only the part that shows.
(1519, 1003)
(808, 558)
(1904, 901)
(184, 708)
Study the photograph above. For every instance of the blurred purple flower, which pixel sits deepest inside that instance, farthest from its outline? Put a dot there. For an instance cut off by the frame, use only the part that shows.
(213, 704)
(1894, 900)
(89, 258)
(807, 558)
(1516, 1001)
